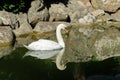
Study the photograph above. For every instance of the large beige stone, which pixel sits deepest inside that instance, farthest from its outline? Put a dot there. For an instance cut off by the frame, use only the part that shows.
(76, 9)
(8, 18)
(92, 42)
(24, 27)
(6, 36)
(106, 5)
(58, 12)
(37, 12)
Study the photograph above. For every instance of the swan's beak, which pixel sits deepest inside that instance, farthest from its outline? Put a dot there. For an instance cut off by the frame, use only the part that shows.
(66, 31)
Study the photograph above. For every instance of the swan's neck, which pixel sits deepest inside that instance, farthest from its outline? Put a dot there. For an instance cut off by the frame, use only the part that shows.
(59, 37)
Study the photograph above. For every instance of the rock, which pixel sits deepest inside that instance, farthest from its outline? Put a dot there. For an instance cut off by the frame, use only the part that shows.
(37, 12)
(87, 5)
(6, 36)
(25, 27)
(116, 16)
(107, 44)
(106, 5)
(7, 18)
(58, 12)
(43, 27)
(89, 18)
(76, 10)
(93, 42)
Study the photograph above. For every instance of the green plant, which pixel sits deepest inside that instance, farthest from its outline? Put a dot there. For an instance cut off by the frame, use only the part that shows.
(15, 6)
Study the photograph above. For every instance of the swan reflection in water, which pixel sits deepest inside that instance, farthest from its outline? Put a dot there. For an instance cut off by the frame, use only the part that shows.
(45, 54)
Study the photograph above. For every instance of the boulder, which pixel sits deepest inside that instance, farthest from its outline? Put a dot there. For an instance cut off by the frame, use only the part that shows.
(6, 36)
(7, 18)
(87, 42)
(89, 18)
(76, 10)
(106, 5)
(58, 12)
(94, 16)
(37, 12)
(25, 27)
(88, 5)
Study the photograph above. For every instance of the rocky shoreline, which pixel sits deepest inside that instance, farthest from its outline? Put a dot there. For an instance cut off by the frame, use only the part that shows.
(42, 17)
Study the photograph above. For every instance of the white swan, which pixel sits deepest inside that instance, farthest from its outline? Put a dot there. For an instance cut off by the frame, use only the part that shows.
(43, 44)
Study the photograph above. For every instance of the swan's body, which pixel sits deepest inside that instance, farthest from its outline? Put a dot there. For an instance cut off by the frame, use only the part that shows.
(43, 44)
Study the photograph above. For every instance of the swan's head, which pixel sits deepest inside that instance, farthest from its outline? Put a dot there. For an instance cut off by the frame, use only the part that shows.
(62, 26)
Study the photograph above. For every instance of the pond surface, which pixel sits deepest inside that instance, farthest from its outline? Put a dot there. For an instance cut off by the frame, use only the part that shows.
(21, 64)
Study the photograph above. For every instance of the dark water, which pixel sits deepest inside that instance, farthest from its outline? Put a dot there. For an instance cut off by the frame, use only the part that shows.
(16, 66)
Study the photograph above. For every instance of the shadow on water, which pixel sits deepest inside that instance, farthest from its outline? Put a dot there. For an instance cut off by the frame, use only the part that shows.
(16, 66)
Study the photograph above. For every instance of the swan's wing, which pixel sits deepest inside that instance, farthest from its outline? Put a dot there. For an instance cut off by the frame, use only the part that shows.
(43, 44)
